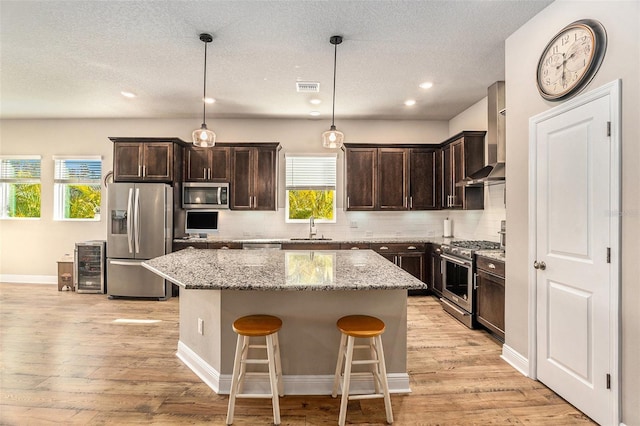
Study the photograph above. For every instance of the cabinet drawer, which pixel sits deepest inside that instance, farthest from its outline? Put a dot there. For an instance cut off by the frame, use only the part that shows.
(187, 244)
(399, 247)
(493, 266)
(354, 246)
(224, 246)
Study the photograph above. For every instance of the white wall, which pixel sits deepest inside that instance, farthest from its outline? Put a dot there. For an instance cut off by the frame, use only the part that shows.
(622, 22)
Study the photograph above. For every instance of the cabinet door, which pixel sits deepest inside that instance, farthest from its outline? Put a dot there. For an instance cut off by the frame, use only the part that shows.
(447, 177)
(241, 185)
(264, 184)
(197, 164)
(219, 164)
(413, 263)
(457, 155)
(490, 303)
(158, 161)
(436, 271)
(424, 185)
(361, 178)
(127, 162)
(392, 183)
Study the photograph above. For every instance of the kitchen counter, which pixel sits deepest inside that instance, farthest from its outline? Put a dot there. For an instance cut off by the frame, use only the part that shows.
(308, 290)
(350, 240)
(281, 270)
(493, 254)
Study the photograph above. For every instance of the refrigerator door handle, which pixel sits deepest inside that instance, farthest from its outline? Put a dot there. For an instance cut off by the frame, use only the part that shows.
(137, 219)
(130, 221)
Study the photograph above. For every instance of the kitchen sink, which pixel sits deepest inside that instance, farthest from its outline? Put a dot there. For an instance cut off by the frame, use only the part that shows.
(310, 239)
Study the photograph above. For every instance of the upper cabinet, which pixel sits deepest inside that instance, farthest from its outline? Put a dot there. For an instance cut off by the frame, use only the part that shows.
(462, 155)
(147, 159)
(207, 164)
(391, 177)
(254, 174)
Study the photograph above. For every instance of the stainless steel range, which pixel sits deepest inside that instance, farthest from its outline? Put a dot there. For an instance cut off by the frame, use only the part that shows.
(458, 268)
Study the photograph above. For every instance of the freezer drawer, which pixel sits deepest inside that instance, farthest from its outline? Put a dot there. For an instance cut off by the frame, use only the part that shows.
(127, 278)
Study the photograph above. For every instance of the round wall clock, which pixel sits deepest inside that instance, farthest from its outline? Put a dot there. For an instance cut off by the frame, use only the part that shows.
(571, 59)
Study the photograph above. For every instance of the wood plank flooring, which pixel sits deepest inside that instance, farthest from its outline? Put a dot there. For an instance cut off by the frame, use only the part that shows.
(65, 361)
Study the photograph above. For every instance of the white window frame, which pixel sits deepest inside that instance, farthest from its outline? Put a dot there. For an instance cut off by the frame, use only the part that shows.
(318, 184)
(5, 182)
(59, 185)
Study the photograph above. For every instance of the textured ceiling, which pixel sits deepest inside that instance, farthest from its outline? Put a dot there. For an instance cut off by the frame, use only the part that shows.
(71, 59)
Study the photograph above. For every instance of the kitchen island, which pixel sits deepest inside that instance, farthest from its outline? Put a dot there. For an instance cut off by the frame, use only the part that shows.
(308, 290)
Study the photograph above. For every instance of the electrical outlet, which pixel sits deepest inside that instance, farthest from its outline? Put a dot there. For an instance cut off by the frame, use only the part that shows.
(200, 326)
(368, 234)
(353, 224)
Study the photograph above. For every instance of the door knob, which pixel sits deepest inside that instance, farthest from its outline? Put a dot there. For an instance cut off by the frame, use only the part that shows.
(540, 265)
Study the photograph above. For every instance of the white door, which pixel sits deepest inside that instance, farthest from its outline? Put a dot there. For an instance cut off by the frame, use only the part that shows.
(573, 242)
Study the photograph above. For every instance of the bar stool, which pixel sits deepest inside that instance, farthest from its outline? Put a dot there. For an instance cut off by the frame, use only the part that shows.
(361, 327)
(257, 326)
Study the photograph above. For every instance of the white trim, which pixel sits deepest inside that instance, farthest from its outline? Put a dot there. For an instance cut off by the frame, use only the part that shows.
(76, 157)
(613, 90)
(29, 279)
(515, 359)
(293, 385)
(316, 154)
(20, 157)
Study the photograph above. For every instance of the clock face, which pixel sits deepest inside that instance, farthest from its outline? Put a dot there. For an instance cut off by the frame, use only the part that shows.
(570, 60)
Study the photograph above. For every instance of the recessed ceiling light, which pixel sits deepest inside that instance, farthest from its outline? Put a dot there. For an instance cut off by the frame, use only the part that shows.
(209, 100)
(314, 113)
(410, 102)
(128, 94)
(315, 101)
(426, 85)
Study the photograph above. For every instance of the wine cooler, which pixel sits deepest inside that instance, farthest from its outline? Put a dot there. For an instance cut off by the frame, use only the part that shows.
(90, 267)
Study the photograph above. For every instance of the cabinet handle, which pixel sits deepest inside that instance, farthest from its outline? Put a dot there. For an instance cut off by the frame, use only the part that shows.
(255, 202)
(250, 201)
(224, 248)
(411, 247)
(204, 172)
(347, 202)
(384, 248)
(355, 248)
(475, 281)
(438, 251)
(139, 170)
(491, 266)
(410, 202)
(406, 201)
(144, 171)
(209, 176)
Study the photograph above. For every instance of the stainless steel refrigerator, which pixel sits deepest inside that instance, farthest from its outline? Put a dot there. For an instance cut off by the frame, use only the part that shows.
(140, 227)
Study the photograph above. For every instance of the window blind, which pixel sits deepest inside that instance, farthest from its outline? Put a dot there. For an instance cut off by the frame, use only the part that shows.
(78, 170)
(311, 172)
(20, 170)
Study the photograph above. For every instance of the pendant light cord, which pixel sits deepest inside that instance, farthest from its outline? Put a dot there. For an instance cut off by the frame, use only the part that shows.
(333, 108)
(204, 94)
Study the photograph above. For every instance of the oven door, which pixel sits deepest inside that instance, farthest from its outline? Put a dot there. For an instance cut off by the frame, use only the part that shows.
(457, 281)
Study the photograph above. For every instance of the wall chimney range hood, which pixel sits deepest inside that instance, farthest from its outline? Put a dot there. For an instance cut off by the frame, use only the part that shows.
(494, 172)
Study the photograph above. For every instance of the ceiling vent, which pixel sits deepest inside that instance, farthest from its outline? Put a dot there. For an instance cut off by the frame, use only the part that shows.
(307, 86)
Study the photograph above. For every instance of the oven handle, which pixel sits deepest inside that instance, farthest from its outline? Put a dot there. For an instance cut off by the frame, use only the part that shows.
(460, 262)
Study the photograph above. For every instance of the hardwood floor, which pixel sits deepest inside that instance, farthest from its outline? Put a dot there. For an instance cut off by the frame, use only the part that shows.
(65, 361)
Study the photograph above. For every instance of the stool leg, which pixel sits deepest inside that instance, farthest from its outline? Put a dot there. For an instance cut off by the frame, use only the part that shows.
(234, 380)
(376, 367)
(276, 341)
(273, 379)
(244, 354)
(336, 377)
(347, 381)
(385, 384)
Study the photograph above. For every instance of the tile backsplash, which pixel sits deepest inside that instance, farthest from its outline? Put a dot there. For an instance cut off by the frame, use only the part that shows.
(472, 224)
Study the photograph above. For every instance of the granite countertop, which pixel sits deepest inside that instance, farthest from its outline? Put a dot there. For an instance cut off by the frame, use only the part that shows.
(281, 270)
(351, 240)
(493, 254)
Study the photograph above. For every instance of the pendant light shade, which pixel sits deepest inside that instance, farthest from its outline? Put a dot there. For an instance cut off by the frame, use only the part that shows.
(333, 138)
(204, 137)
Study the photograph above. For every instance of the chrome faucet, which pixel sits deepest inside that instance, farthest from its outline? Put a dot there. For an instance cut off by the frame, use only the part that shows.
(312, 227)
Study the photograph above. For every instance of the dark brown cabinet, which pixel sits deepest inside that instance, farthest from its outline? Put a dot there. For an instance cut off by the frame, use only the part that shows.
(387, 178)
(147, 159)
(462, 155)
(490, 295)
(360, 178)
(254, 176)
(181, 245)
(434, 269)
(207, 164)
(408, 256)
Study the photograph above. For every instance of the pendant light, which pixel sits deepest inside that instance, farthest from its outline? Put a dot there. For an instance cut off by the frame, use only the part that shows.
(204, 137)
(333, 138)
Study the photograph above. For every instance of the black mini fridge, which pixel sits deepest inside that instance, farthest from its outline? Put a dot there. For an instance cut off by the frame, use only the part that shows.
(90, 267)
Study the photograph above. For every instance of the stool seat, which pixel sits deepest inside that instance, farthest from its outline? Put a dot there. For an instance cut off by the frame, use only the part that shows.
(257, 325)
(361, 326)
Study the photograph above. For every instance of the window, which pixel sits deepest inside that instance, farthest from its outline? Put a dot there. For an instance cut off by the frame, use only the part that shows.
(20, 186)
(311, 188)
(77, 188)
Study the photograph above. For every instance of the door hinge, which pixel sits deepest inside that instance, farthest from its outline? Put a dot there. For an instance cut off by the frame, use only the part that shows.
(608, 254)
(608, 128)
(608, 381)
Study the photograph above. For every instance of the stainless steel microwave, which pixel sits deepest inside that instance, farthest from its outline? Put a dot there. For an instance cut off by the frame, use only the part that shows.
(205, 195)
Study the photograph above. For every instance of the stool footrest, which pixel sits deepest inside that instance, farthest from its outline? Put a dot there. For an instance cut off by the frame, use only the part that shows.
(255, 361)
(254, 395)
(367, 396)
(365, 362)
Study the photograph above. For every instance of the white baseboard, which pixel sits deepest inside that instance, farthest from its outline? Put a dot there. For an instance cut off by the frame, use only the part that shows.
(293, 385)
(515, 359)
(29, 279)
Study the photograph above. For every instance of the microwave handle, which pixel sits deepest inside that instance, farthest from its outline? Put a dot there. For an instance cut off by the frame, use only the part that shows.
(219, 195)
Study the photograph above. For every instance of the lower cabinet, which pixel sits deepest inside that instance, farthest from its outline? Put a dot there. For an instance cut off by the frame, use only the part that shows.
(490, 295)
(181, 245)
(434, 269)
(408, 256)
